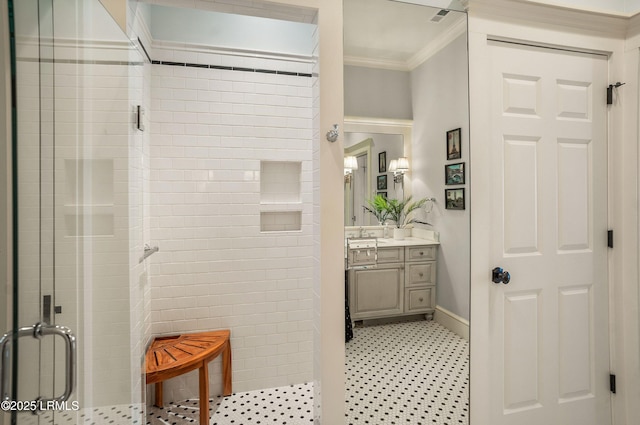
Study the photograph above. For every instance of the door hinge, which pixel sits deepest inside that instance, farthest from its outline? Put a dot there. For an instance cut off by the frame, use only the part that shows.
(610, 238)
(612, 383)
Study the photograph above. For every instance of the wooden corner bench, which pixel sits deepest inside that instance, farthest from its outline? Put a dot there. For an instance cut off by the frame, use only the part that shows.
(171, 356)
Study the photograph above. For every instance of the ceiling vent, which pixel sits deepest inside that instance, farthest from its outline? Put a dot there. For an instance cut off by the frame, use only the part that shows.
(440, 15)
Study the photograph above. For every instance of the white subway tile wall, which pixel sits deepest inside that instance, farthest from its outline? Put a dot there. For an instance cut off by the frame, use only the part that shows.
(211, 130)
(96, 134)
(139, 184)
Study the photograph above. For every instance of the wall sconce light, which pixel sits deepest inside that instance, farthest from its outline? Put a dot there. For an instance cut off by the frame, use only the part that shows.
(398, 167)
(393, 166)
(350, 164)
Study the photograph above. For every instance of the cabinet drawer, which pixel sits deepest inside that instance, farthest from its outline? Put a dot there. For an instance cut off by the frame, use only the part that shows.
(362, 257)
(421, 253)
(420, 299)
(366, 256)
(420, 274)
(390, 255)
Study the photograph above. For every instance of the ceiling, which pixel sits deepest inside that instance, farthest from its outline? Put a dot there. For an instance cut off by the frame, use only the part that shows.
(393, 35)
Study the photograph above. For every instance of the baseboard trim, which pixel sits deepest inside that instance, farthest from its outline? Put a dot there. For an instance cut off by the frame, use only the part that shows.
(452, 321)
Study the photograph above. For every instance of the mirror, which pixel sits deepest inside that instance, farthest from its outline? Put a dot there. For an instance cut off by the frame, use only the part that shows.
(406, 94)
(373, 144)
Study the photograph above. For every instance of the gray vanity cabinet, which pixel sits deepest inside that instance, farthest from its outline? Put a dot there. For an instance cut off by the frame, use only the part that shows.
(403, 283)
(420, 280)
(377, 292)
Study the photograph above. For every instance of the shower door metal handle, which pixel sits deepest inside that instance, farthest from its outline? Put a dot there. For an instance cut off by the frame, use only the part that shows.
(38, 331)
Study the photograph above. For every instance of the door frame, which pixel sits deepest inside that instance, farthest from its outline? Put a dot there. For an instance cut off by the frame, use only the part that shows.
(543, 26)
(328, 282)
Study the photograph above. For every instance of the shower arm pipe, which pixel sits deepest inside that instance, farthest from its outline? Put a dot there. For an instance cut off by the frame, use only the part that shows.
(147, 252)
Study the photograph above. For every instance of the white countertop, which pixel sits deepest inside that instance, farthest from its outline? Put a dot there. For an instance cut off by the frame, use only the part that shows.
(410, 241)
(418, 236)
(360, 243)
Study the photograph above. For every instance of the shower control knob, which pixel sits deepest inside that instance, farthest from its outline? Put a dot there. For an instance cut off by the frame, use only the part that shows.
(498, 275)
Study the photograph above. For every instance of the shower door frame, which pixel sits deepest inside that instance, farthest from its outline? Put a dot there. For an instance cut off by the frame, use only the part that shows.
(6, 271)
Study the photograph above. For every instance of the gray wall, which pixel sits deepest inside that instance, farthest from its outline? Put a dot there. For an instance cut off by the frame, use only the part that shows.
(377, 93)
(440, 103)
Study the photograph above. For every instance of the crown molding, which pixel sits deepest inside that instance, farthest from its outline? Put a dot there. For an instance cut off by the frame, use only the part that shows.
(376, 63)
(434, 46)
(356, 124)
(634, 27)
(443, 40)
(532, 14)
(593, 10)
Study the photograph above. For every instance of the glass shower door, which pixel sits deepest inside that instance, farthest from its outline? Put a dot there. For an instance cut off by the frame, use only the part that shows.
(72, 348)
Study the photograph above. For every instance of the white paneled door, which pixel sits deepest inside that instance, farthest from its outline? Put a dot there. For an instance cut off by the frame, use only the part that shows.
(548, 327)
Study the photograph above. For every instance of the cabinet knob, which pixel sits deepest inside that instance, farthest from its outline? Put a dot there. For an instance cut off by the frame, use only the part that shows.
(420, 299)
(421, 253)
(421, 274)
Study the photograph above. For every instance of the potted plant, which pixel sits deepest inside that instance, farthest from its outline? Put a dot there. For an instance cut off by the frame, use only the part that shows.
(400, 213)
(378, 207)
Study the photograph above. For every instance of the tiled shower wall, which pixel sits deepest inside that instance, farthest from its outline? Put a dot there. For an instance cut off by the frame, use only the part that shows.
(74, 132)
(215, 134)
(139, 209)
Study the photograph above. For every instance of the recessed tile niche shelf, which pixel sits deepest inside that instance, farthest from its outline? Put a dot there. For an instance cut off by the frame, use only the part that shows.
(280, 199)
(89, 199)
(280, 221)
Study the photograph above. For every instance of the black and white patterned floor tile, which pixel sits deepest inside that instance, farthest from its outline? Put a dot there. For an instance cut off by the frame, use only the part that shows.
(292, 405)
(402, 373)
(407, 373)
(105, 415)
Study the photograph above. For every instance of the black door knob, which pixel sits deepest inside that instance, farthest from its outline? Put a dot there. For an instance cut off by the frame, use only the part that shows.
(498, 275)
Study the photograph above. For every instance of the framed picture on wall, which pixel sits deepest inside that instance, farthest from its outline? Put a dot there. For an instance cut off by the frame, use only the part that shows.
(382, 182)
(454, 199)
(382, 162)
(454, 144)
(454, 173)
(383, 194)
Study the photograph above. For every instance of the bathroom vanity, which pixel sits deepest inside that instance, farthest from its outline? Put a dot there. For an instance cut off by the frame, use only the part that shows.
(400, 281)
